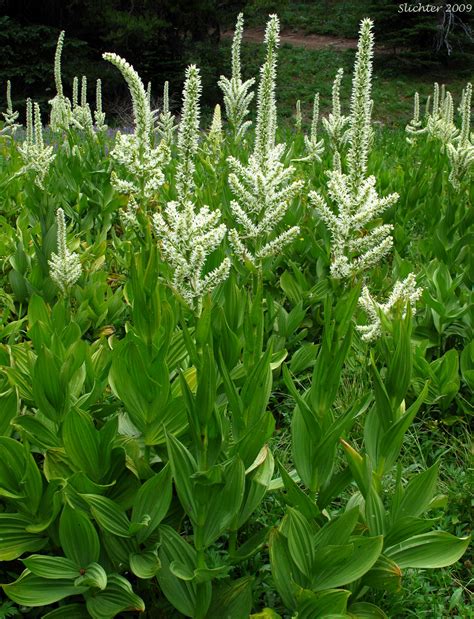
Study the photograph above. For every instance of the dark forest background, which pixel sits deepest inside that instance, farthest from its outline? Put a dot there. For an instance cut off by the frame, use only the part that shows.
(160, 37)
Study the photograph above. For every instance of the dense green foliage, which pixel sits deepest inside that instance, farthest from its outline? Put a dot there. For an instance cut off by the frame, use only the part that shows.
(250, 454)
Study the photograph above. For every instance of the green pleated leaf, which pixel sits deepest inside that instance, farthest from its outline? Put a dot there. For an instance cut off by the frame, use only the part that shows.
(300, 541)
(15, 539)
(365, 610)
(251, 546)
(337, 531)
(78, 537)
(117, 597)
(144, 564)
(418, 493)
(330, 603)
(94, 576)
(428, 550)
(68, 611)
(56, 568)
(224, 505)
(232, 599)
(181, 593)
(37, 431)
(82, 443)
(31, 590)
(338, 566)
(283, 569)
(385, 575)
(151, 504)
(296, 497)
(183, 466)
(108, 514)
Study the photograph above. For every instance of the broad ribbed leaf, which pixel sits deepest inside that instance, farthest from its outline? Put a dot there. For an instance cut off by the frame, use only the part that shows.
(418, 493)
(151, 503)
(116, 598)
(94, 576)
(31, 590)
(183, 466)
(330, 603)
(300, 542)
(340, 567)
(108, 514)
(232, 599)
(78, 537)
(68, 611)
(428, 550)
(385, 575)
(15, 540)
(181, 593)
(55, 568)
(82, 443)
(144, 564)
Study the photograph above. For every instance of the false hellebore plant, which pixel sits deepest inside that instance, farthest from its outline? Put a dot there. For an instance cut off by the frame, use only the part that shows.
(439, 125)
(187, 237)
(313, 146)
(10, 115)
(264, 187)
(165, 126)
(36, 156)
(336, 123)
(237, 94)
(65, 266)
(135, 154)
(358, 241)
(61, 109)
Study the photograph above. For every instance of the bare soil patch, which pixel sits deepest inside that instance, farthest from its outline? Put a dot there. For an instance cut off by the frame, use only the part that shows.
(299, 39)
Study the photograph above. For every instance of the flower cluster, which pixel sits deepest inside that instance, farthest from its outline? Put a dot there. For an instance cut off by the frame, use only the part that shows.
(313, 146)
(298, 117)
(188, 134)
(165, 125)
(403, 293)
(135, 153)
(215, 136)
(10, 116)
(188, 236)
(36, 156)
(461, 151)
(81, 116)
(99, 115)
(61, 109)
(264, 187)
(414, 127)
(439, 125)
(358, 241)
(237, 93)
(336, 124)
(186, 240)
(65, 266)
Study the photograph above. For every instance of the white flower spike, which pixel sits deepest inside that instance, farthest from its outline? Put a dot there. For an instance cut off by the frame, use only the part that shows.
(237, 93)
(65, 266)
